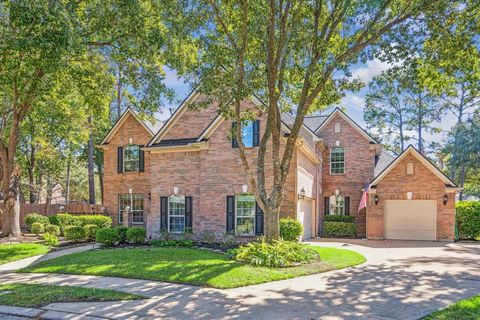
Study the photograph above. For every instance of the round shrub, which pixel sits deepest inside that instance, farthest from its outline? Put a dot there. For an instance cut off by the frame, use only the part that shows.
(122, 233)
(90, 231)
(107, 237)
(338, 218)
(52, 229)
(468, 219)
(50, 239)
(54, 220)
(136, 235)
(32, 218)
(37, 228)
(74, 233)
(99, 220)
(339, 230)
(290, 229)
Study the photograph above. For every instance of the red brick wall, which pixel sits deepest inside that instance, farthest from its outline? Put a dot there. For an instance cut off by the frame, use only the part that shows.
(359, 167)
(119, 183)
(425, 185)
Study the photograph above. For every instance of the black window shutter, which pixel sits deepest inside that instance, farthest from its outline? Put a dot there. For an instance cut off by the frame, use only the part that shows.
(230, 214)
(164, 213)
(188, 212)
(256, 133)
(141, 160)
(326, 205)
(234, 134)
(347, 205)
(258, 220)
(120, 159)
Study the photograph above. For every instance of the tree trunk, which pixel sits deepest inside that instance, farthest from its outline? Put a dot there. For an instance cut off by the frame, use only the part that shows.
(91, 165)
(100, 175)
(462, 182)
(119, 94)
(11, 205)
(67, 181)
(272, 225)
(420, 142)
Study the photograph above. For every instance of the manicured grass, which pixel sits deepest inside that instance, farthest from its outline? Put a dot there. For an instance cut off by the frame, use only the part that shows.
(468, 309)
(191, 266)
(36, 295)
(17, 251)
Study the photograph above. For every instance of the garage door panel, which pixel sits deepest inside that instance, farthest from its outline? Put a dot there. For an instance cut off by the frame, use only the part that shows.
(410, 219)
(305, 216)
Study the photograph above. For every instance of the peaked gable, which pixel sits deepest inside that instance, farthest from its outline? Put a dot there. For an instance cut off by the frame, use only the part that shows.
(427, 163)
(118, 124)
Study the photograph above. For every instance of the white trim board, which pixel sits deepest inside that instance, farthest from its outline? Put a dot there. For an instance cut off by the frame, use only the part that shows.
(120, 122)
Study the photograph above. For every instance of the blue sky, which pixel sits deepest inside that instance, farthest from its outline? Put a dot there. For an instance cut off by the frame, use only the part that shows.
(353, 102)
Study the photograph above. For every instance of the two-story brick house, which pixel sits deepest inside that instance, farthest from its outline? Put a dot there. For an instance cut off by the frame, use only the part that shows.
(188, 175)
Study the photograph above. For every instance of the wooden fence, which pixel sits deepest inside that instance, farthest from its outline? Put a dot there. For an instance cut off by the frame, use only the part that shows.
(52, 209)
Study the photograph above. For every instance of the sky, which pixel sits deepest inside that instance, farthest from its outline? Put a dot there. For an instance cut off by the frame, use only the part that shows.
(353, 102)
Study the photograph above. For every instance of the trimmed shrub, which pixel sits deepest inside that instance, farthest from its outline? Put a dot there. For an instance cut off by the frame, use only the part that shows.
(52, 229)
(32, 218)
(37, 228)
(277, 254)
(90, 231)
(468, 219)
(338, 218)
(107, 237)
(74, 233)
(339, 230)
(122, 233)
(290, 229)
(99, 220)
(136, 235)
(54, 220)
(64, 220)
(50, 239)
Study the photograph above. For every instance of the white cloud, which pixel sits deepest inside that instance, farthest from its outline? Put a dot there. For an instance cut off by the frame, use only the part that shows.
(172, 80)
(353, 101)
(371, 69)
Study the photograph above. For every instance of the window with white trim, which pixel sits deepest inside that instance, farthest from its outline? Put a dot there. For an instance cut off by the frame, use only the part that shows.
(337, 160)
(176, 213)
(135, 202)
(245, 214)
(131, 158)
(337, 205)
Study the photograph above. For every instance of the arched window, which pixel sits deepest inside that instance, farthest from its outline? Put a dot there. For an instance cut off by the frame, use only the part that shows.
(245, 217)
(176, 213)
(337, 160)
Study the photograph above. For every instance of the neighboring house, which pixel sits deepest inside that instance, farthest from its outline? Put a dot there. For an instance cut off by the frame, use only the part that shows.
(188, 175)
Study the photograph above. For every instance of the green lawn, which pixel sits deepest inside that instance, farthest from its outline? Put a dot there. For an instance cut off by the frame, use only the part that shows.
(17, 251)
(192, 266)
(36, 295)
(468, 309)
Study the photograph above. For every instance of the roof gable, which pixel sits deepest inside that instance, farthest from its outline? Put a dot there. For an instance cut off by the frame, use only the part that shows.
(118, 124)
(427, 163)
(349, 120)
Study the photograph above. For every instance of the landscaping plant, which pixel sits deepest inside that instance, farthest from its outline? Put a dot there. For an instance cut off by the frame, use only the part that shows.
(122, 233)
(37, 228)
(74, 233)
(338, 218)
(32, 218)
(50, 239)
(90, 231)
(52, 229)
(107, 237)
(339, 230)
(290, 229)
(468, 219)
(99, 220)
(136, 235)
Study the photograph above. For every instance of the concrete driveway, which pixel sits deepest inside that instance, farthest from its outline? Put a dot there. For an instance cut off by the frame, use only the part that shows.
(401, 280)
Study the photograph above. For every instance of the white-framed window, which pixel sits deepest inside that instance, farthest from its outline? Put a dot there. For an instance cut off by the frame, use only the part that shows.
(337, 205)
(131, 158)
(247, 134)
(135, 202)
(245, 214)
(176, 213)
(337, 160)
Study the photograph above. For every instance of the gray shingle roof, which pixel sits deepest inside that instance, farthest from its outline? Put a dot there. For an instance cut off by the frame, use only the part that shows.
(313, 122)
(384, 160)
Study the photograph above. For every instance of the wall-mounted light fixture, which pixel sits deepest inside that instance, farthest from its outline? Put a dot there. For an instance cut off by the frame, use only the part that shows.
(337, 192)
(244, 188)
(103, 209)
(61, 209)
(302, 193)
(409, 195)
(445, 199)
(375, 199)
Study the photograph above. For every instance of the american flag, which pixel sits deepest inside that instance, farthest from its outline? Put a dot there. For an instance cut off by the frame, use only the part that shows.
(363, 201)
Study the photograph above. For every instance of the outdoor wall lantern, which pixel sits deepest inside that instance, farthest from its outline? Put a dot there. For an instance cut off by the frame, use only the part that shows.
(127, 208)
(302, 193)
(445, 199)
(244, 188)
(375, 199)
(175, 190)
(103, 209)
(61, 208)
(337, 192)
(409, 195)
(149, 196)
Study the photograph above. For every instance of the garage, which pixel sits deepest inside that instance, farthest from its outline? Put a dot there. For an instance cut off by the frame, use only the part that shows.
(306, 217)
(410, 219)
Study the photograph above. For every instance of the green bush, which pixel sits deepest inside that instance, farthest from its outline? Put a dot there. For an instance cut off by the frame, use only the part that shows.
(338, 218)
(468, 219)
(32, 218)
(50, 239)
(277, 254)
(339, 230)
(54, 220)
(171, 243)
(290, 229)
(74, 233)
(122, 233)
(90, 231)
(64, 220)
(136, 235)
(99, 220)
(52, 229)
(37, 228)
(107, 237)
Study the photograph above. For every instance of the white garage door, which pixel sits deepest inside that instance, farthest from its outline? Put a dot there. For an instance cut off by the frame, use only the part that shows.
(305, 216)
(410, 219)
